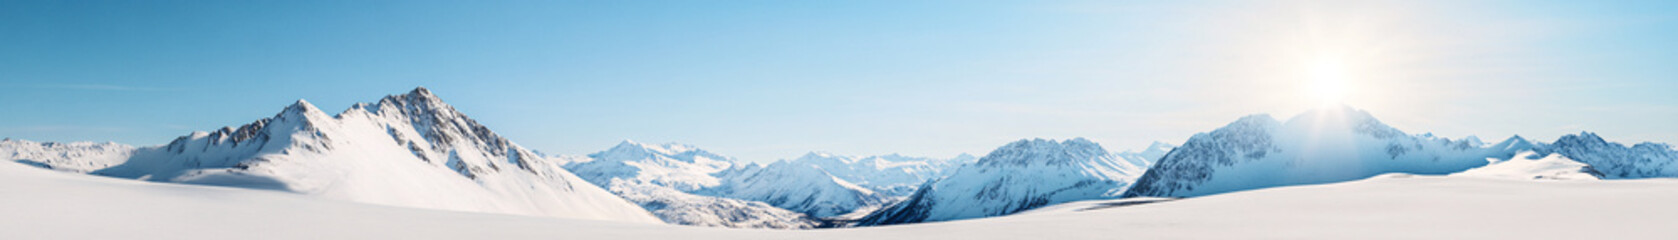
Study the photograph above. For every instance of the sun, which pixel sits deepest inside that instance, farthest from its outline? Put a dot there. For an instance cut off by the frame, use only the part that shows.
(1328, 81)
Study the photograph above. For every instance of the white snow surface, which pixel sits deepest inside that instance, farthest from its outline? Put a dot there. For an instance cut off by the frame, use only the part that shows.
(409, 150)
(43, 204)
(1528, 165)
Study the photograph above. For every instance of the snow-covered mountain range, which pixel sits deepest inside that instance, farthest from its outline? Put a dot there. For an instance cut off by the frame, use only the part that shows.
(827, 185)
(1019, 176)
(664, 177)
(1320, 146)
(889, 175)
(1343, 144)
(799, 187)
(1614, 160)
(414, 150)
(687, 185)
(410, 150)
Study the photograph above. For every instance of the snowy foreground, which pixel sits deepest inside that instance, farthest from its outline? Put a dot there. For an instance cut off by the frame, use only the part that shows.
(43, 204)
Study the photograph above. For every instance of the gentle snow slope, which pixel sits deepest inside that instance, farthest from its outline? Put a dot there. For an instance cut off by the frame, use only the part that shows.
(1528, 165)
(41, 204)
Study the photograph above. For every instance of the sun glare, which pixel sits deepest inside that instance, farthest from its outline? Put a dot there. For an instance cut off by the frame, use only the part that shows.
(1328, 81)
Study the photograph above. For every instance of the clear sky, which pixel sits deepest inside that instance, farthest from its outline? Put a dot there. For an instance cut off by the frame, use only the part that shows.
(764, 80)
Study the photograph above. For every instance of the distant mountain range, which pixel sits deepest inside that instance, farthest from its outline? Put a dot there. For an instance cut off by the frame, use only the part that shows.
(414, 150)
(1019, 176)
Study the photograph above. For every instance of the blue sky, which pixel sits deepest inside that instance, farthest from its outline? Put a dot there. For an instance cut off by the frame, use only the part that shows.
(763, 80)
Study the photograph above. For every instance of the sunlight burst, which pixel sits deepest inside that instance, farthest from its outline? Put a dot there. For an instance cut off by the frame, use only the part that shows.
(1328, 81)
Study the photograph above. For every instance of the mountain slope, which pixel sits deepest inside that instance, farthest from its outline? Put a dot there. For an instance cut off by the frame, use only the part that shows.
(409, 150)
(1019, 176)
(1321, 146)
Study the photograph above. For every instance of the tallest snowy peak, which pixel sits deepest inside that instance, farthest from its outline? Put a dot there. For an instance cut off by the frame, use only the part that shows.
(301, 110)
(301, 106)
(419, 103)
(421, 94)
(420, 91)
(418, 95)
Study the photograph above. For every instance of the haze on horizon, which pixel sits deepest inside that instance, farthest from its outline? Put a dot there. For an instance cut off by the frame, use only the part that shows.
(770, 80)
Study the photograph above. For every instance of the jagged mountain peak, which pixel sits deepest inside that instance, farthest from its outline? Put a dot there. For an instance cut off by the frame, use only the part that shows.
(1584, 137)
(301, 106)
(1513, 144)
(417, 102)
(300, 110)
(421, 91)
(1044, 151)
